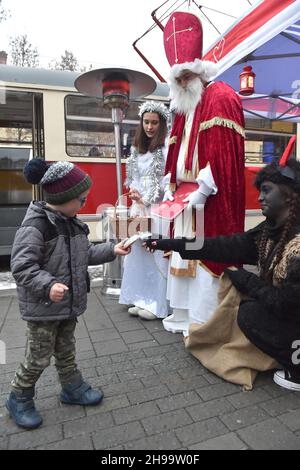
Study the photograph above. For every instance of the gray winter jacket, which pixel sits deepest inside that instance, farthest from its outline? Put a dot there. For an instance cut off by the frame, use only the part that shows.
(50, 248)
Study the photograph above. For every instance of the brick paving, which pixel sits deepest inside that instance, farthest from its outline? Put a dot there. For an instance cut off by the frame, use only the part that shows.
(157, 396)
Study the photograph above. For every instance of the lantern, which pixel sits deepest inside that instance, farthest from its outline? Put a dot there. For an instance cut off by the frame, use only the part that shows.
(247, 81)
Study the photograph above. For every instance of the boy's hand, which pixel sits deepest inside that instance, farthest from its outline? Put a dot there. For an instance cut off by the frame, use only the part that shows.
(57, 292)
(120, 250)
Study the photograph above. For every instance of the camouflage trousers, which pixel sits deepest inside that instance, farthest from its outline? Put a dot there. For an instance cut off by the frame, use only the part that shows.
(44, 340)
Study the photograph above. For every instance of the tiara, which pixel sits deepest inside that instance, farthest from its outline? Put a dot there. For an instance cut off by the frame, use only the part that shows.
(154, 107)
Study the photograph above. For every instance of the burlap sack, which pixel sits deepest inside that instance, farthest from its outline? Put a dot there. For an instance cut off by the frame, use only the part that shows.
(220, 345)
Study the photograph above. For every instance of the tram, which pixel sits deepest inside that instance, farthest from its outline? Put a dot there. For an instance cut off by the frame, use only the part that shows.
(42, 114)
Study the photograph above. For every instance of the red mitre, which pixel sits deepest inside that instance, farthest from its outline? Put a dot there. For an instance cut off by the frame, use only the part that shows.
(183, 41)
(183, 38)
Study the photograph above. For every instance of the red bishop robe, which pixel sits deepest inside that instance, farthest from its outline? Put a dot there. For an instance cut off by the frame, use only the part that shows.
(219, 125)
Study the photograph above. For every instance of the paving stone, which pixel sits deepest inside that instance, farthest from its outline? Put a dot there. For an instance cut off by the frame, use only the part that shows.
(269, 435)
(171, 365)
(117, 435)
(142, 345)
(83, 355)
(127, 356)
(244, 417)
(243, 399)
(227, 442)
(124, 387)
(196, 383)
(157, 395)
(88, 424)
(164, 337)
(3, 443)
(218, 390)
(209, 409)
(166, 421)
(62, 414)
(163, 441)
(154, 326)
(189, 371)
(148, 394)
(108, 404)
(111, 347)
(83, 345)
(114, 368)
(281, 405)
(149, 361)
(200, 431)
(104, 335)
(31, 439)
(136, 373)
(212, 378)
(76, 443)
(176, 402)
(291, 420)
(47, 403)
(274, 391)
(129, 325)
(135, 413)
(15, 355)
(136, 336)
(160, 351)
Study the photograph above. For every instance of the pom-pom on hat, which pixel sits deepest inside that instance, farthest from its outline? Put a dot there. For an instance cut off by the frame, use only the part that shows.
(61, 181)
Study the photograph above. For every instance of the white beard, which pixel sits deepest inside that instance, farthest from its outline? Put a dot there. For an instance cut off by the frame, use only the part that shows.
(185, 100)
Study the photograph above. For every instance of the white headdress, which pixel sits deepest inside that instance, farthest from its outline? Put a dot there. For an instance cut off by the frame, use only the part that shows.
(154, 107)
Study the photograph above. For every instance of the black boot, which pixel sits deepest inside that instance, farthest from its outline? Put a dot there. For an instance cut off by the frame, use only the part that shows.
(22, 410)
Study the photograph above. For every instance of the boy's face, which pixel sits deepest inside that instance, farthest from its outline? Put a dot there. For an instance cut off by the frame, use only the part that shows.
(71, 208)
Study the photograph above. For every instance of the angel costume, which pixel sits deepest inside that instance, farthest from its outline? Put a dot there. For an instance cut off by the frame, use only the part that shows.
(144, 281)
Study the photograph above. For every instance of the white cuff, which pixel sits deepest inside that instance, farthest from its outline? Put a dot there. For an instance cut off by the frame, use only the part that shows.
(206, 182)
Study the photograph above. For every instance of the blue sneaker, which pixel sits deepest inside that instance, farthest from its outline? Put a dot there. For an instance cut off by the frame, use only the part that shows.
(80, 393)
(22, 410)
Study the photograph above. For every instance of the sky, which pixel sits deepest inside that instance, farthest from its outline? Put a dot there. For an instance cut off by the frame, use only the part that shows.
(101, 32)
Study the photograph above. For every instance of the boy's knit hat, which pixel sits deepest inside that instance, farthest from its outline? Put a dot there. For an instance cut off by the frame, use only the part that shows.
(61, 181)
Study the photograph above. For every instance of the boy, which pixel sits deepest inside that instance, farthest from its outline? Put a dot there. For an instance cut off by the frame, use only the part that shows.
(49, 262)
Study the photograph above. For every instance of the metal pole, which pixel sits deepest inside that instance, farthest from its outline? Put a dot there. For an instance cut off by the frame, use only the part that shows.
(117, 116)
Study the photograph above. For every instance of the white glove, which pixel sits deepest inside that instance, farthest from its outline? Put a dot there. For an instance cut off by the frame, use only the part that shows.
(195, 198)
(168, 196)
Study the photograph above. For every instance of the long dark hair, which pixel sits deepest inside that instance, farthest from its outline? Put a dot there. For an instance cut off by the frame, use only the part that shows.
(290, 189)
(143, 144)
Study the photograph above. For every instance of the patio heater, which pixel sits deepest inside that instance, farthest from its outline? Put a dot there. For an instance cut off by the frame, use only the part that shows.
(117, 86)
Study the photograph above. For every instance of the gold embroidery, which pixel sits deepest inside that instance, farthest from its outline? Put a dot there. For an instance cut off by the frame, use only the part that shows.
(190, 271)
(219, 121)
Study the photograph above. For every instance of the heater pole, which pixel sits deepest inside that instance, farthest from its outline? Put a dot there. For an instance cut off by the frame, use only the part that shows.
(117, 117)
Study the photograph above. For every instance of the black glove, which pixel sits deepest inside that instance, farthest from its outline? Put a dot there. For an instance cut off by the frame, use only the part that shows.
(150, 244)
(167, 244)
(244, 281)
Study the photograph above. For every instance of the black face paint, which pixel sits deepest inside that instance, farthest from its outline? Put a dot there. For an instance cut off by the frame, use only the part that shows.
(273, 202)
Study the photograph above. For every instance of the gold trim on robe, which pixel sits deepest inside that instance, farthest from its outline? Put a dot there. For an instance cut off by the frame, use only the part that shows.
(190, 271)
(220, 121)
(173, 140)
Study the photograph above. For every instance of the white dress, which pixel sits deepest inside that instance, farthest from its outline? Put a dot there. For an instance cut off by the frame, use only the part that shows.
(144, 281)
(196, 295)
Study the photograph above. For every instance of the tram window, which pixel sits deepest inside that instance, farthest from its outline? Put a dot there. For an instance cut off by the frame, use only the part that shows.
(263, 146)
(16, 122)
(13, 187)
(89, 127)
